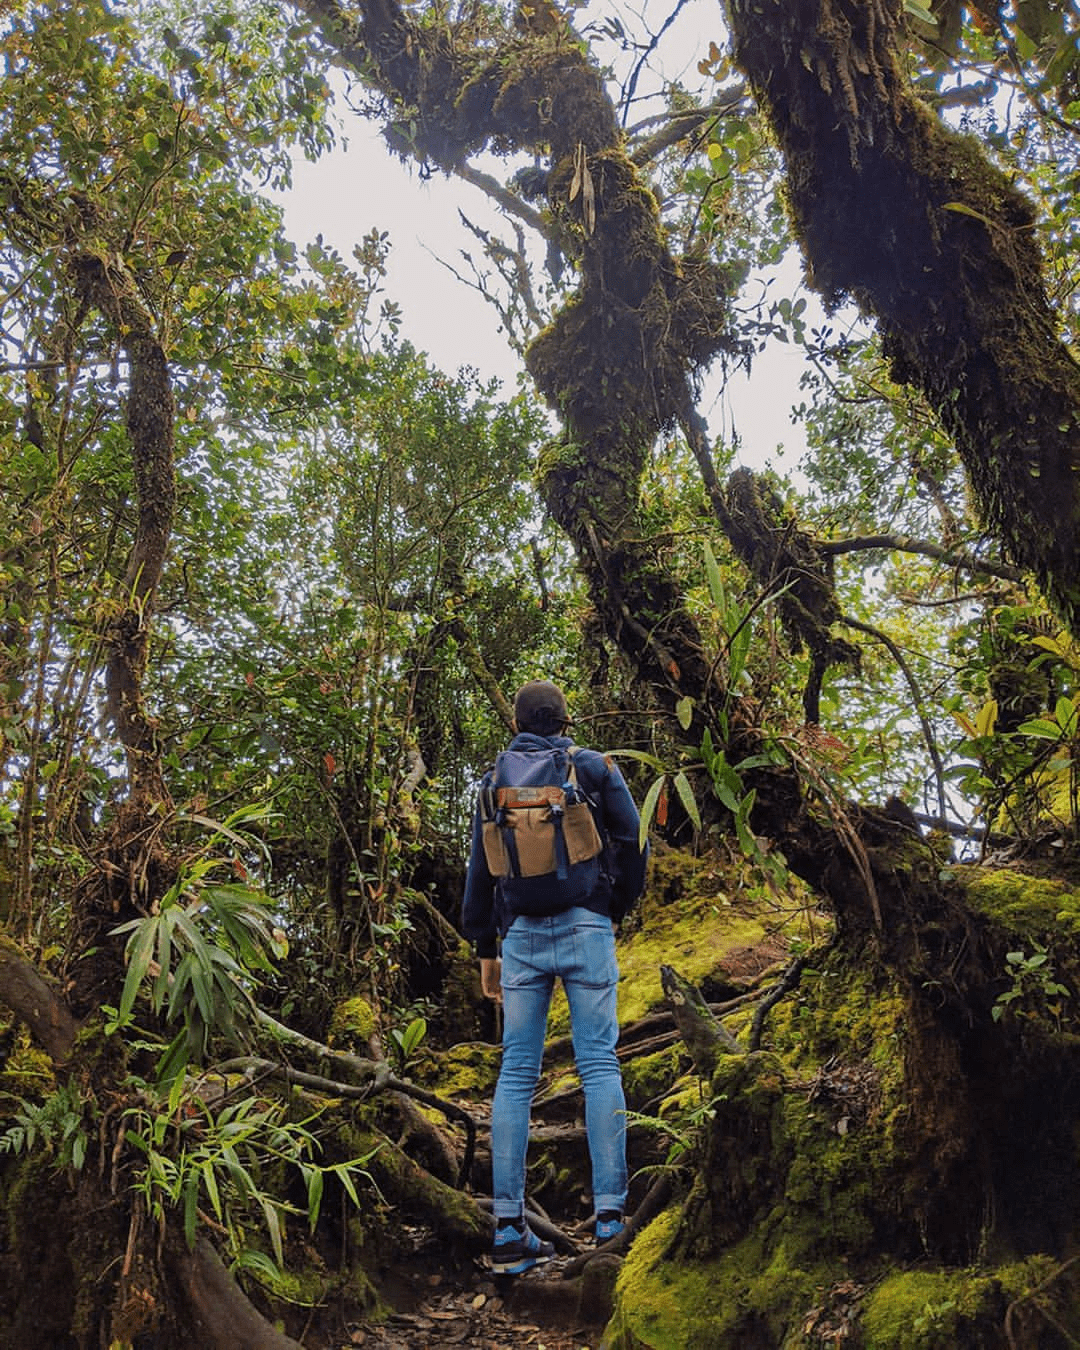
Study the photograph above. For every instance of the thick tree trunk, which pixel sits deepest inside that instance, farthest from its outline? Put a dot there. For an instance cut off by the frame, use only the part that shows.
(911, 220)
(619, 360)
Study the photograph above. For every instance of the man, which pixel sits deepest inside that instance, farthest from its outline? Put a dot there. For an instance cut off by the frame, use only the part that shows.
(559, 923)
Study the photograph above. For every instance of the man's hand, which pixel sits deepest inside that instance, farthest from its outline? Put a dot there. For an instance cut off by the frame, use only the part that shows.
(490, 976)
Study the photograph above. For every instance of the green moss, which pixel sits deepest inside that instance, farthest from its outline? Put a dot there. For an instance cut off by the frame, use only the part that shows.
(687, 920)
(933, 1310)
(468, 1070)
(656, 1300)
(311, 1285)
(1025, 904)
(748, 1295)
(846, 1011)
(647, 1077)
(28, 1070)
(352, 1022)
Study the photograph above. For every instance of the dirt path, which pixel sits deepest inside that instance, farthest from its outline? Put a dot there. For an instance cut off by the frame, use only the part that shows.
(537, 1311)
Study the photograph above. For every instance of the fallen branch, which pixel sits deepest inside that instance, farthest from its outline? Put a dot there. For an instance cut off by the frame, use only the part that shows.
(787, 981)
(251, 1066)
(706, 1038)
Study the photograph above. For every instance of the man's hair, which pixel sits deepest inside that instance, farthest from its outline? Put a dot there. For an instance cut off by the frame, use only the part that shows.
(540, 707)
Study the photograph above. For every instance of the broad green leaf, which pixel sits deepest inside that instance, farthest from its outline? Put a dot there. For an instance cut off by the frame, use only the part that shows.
(191, 1207)
(343, 1172)
(716, 584)
(209, 1177)
(961, 208)
(919, 11)
(648, 810)
(986, 718)
(140, 954)
(686, 796)
(1041, 726)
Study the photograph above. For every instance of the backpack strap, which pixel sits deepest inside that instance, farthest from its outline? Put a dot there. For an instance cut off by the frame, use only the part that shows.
(555, 812)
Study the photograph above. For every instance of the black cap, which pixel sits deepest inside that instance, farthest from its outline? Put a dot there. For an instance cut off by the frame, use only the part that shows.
(540, 707)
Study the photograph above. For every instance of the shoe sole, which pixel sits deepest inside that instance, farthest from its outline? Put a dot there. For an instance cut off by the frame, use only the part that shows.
(518, 1267)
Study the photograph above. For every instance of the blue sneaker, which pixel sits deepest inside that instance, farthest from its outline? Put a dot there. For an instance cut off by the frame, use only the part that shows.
(517, 1249)
(608, 1225)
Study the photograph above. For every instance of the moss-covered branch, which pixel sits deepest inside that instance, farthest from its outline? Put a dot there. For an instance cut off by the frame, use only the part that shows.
(25, 991)
(913, 222)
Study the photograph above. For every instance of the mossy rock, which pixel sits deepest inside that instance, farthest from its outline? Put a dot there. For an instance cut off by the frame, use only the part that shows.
(469, 1070)
(745, 1299)
(352, 1023)
(926, 1309)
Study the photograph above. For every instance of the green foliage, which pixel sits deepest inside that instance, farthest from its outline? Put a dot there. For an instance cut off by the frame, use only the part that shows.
(1033, 990)
(59, 1125)
(202, 948)
(408, 1040)
(194, 1155)
(685, 1130)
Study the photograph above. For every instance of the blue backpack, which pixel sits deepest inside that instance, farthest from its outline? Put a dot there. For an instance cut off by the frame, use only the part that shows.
(538, 829)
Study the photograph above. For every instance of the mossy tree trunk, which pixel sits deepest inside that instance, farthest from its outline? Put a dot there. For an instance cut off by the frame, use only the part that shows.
(966, 1153)
(912, 221)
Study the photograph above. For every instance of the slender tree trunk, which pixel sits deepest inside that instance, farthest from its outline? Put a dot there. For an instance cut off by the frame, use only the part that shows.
(150, 416)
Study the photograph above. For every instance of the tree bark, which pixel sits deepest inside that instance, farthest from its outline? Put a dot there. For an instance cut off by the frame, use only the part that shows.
(36, 1003)
(111, 288)
(620, 359)
(912, 221)
(222, 1317)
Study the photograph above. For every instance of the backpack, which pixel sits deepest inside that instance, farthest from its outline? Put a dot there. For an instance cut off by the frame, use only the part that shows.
(536, 820)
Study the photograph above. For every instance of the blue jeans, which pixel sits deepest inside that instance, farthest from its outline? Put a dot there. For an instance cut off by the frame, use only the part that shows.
(578, 946)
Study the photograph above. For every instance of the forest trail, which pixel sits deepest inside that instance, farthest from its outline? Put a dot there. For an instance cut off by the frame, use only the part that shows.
(470, 1308)
(443, 1302)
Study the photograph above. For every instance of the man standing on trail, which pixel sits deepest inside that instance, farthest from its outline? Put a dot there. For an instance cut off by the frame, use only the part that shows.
(555, 864)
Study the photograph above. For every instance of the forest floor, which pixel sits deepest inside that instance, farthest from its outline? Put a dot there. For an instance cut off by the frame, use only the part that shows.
(472, 1308)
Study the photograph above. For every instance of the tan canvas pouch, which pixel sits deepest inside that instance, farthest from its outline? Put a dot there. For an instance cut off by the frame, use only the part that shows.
(534, 837)
(580, 832)
(494, 849)
(527, 813)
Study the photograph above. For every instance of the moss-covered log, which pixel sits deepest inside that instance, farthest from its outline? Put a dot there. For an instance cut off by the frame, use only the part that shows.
(913, 222)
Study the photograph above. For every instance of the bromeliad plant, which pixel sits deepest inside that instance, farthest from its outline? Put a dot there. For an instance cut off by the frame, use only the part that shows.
(724, 779)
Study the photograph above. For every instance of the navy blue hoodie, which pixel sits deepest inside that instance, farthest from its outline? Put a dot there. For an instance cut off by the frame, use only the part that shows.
(608, 885)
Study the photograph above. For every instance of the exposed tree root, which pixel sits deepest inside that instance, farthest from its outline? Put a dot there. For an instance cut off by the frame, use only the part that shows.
(222, 1317)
